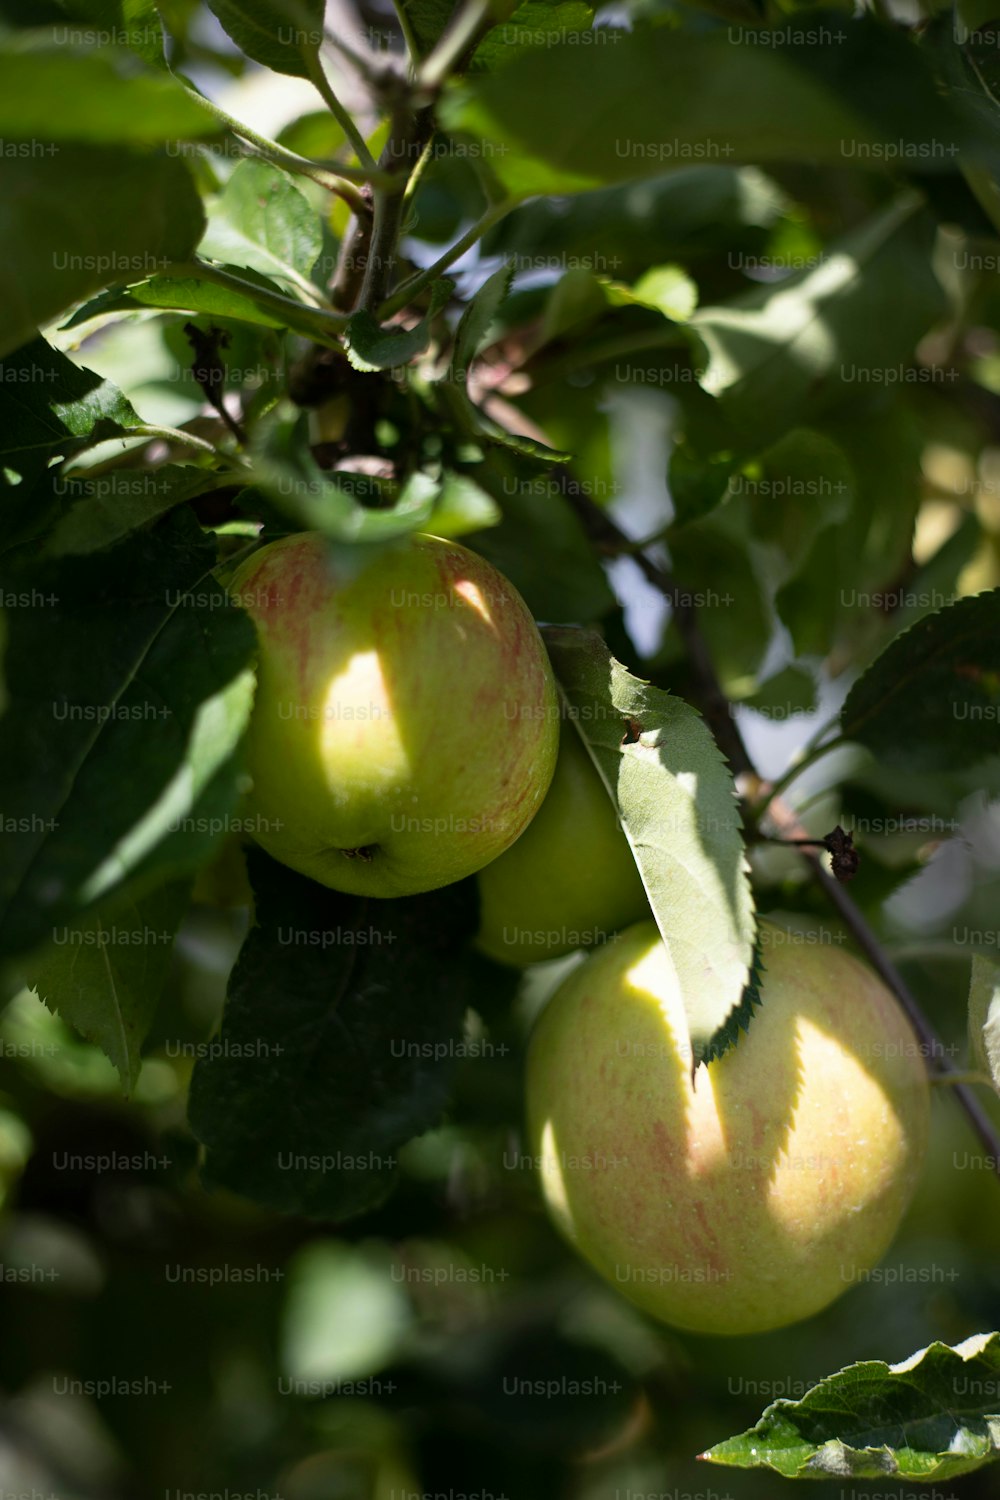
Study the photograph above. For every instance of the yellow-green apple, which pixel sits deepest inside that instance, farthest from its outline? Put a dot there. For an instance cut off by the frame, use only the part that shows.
(756, 1194)
(406, 727)
(570, 880)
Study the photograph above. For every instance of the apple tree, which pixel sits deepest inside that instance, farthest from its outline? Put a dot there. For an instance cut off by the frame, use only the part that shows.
(499, 748)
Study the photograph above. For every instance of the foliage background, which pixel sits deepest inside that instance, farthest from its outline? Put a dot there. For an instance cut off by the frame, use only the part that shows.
(245, 1329)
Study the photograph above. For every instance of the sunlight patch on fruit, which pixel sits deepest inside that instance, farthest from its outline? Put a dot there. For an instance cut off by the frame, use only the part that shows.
(473, 596)
(359, 694)
(555, 1188)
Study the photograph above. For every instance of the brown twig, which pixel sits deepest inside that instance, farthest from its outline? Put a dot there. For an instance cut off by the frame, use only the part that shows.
(612, 541)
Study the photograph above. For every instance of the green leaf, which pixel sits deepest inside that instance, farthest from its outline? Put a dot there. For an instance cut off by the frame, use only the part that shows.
(284, 470)
(76, 221)
(49, 407)
(462, 506)
(472, 422)
(930, 1418)
(790, 692)
(537, 23)
(580, 298)
(984, 1016)
(371, 347)
(345, 1316)
(577, 300)
(182, 294)
(931, 701)
(678, 807)
(620, 231)
(123, 501)
(723, 581)
(261, 221)
(51, 92)
(194, 295)
(125, 23)
(737, 1023)
(341, 1028)
(539, 544)
(776, 353)
(426, 20)
(567, 118)
(130, 688)
(475, 322)
(280, 34)
(830, 606)
(47, 401)
(666, 289)
(792, 493)
(106, 976)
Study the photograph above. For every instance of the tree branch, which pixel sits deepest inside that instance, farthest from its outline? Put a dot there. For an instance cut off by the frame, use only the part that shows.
(612, 541)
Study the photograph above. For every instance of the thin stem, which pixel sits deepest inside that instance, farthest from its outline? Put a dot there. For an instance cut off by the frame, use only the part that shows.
(416, 284)
(381, 257)
(291, 161)
(312, 293)
(365, 65)
(409, 131)
(343, 116)
(364, 266)
(812, 753)
(932, 1047)
(409, 35)
(424, 160)
(459, 37)
(609, 538)
(314, 322)
(952, 1079)
(351, 263)
(177, 435)
(541, 368)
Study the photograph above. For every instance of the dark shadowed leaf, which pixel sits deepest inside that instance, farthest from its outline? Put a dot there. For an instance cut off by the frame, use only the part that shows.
(280, 34)
(618, 231)
(476, 319)
(57, 92)
(852, 321)
(373, 347)
(58, 248)
(131, 23)
(931, 701)
(130, 686)
(341, 1030)
(49, 407)
(568, 118)
(114, 504)
(106, 976)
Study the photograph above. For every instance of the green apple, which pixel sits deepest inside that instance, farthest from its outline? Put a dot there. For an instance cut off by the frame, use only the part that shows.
(570, 880)
(406, 724)
(755, 1195)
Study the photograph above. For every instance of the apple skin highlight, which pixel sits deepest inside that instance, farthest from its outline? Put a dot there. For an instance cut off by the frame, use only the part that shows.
(406, 723)
(755, 1196)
